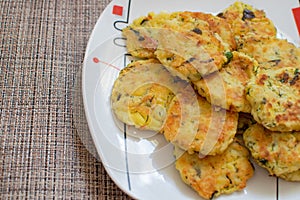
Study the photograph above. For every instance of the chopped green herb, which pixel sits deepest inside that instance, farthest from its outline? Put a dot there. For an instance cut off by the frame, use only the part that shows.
(229, 56)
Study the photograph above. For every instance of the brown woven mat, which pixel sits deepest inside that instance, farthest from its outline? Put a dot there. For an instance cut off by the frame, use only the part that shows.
(42, 44)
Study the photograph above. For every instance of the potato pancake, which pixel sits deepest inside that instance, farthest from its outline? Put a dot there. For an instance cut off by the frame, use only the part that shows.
(212, 176)
(213, 128)
(271, 53)
(278, 152)
(245, 19)
(274, 96)
(142, 93)
(232, 79)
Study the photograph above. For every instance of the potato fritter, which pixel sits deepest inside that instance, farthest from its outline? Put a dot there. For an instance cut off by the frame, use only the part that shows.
(210, 132)
(274, 96)
(212, 176)
(278, 152)
(226, 88)
(142, 93)
(271, 53)
(245, 19)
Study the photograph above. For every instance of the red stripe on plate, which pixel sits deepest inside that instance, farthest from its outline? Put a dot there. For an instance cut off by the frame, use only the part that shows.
(296, 12)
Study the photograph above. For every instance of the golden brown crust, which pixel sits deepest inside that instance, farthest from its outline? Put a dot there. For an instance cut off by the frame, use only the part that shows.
(278, 152)
(274, 96)
(214, 128)
(215, 175)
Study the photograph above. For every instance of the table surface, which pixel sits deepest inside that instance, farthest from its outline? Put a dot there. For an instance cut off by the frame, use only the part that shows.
(42, 44)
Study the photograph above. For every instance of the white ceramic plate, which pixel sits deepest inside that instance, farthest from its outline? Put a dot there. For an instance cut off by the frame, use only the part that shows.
(141, 164)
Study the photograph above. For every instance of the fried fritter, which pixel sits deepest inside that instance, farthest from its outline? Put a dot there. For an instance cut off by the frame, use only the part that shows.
(271, 53)
(226, 88)
(245, 19)
(274, 96)
(209, 132)
(142, 93)
(212, 176)
(278, 152)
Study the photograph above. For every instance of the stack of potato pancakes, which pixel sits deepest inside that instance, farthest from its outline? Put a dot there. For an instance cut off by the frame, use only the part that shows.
(201, 80)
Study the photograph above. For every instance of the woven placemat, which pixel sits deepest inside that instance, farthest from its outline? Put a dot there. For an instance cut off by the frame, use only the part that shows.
(42, 44)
